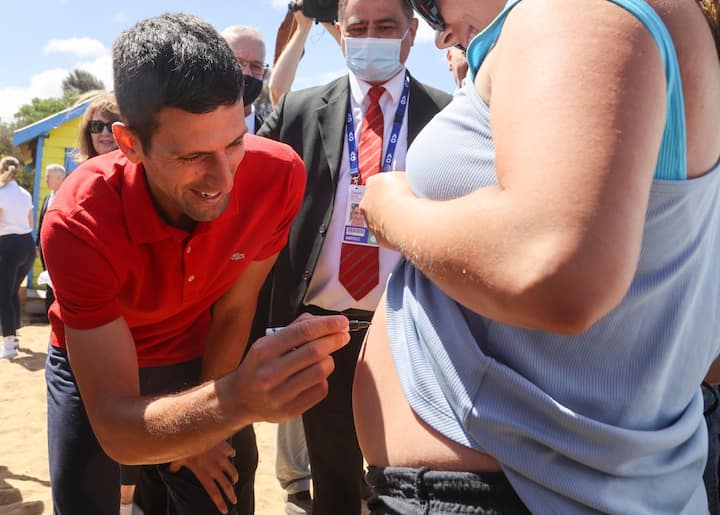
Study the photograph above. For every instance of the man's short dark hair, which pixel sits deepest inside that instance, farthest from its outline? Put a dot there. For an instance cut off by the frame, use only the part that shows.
(406, 7)
(172, 60)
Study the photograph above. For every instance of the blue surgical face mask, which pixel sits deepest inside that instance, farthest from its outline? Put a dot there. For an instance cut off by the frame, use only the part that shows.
(374, 59)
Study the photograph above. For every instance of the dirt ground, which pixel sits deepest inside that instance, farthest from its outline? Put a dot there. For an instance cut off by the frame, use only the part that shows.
(24, 476)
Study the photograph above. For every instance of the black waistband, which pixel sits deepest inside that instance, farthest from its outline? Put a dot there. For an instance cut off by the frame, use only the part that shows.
(472, 492)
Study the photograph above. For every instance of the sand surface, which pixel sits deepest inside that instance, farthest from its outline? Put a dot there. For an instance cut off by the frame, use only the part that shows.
(24, 476)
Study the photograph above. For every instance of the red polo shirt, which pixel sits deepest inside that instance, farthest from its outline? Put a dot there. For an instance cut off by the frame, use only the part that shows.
(110, 255)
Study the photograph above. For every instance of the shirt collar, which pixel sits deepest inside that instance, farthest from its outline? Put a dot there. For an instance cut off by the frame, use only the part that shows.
(142, 219)
(250, 121)
(359, 88)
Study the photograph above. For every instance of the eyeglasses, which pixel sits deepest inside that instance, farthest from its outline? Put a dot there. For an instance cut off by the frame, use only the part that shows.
(429, 12)
(257, 69)
(97, 126)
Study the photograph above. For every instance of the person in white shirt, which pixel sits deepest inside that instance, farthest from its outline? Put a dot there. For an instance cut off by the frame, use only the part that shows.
(17, 251)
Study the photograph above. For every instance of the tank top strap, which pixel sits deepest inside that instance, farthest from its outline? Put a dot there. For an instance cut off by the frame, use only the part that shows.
(672, 160)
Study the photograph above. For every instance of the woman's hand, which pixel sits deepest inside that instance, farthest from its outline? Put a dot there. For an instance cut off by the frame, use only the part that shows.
(386, 194)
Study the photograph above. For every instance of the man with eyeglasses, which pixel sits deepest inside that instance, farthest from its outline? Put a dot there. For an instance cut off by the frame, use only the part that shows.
(248, 47)
(345, 131)
(291, 462)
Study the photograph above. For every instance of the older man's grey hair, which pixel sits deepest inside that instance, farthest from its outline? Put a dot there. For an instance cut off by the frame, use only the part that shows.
(56, 169)
(235, 32)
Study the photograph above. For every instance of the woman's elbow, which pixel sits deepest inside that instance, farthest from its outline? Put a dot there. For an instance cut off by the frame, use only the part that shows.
(571, 302)
(569, 317)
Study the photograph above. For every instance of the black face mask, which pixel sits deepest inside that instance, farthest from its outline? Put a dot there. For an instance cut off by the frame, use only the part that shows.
(252, 89)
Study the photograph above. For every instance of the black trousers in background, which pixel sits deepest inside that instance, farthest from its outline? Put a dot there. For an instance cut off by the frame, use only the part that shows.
(86, 480)
(17, 253)
(336, 462)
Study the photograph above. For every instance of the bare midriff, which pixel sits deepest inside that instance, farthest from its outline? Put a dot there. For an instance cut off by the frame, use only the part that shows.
(388, 430)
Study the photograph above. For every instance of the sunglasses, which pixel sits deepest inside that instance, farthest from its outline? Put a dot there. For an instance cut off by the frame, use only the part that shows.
(97, 126)
(428, 10)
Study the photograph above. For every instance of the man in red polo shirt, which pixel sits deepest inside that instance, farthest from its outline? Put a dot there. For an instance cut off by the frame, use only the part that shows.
(157, 253)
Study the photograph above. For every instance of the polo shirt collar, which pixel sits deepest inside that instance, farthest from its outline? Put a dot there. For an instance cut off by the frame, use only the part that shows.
(141, 217)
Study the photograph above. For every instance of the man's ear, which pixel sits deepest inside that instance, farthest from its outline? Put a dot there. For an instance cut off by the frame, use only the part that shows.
(128, 142)
(342, 38)
(413, 28)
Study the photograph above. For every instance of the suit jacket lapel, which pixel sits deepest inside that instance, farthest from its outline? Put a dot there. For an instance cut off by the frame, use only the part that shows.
(421, 109)
(331, 123)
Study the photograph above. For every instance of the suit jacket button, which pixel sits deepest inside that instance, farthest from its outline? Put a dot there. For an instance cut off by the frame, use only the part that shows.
(306, 275)
(323, 230)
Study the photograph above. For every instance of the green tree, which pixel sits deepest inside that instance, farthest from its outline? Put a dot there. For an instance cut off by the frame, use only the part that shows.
(6, 137)
(40, 108)
(80, 81)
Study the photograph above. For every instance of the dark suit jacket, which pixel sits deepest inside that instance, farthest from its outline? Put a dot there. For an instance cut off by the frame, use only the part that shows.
(258, 121)
(312, 121)
(43, 210)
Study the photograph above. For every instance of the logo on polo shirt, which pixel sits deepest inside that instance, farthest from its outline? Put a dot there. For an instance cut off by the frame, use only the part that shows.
(237, 256)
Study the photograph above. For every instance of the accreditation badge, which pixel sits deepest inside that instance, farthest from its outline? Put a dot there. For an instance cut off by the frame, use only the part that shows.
(356, 231)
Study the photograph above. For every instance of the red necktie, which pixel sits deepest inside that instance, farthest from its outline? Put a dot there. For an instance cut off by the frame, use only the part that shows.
(359, 264)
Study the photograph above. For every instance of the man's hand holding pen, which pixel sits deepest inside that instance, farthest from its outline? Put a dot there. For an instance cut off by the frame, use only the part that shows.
(285, 373)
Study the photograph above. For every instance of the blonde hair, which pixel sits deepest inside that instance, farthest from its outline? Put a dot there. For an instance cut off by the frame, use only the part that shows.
(105, 105)
(9, 168)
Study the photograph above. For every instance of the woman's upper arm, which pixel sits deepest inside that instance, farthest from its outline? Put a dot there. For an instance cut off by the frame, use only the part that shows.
(577, 113)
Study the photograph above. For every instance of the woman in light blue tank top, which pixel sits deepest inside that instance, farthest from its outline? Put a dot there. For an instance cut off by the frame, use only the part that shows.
(558, 305)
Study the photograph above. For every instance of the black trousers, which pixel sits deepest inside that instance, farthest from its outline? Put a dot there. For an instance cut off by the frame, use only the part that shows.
(407, 491)
(86, 480)
(711, 476)
(336, 462)
(17, 253)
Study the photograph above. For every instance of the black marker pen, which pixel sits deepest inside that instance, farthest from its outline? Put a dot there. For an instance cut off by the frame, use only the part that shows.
(355, 325)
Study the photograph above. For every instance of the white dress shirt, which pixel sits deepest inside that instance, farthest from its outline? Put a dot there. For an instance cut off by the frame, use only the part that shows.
(325, 289)
(15, 204)
(250, 121)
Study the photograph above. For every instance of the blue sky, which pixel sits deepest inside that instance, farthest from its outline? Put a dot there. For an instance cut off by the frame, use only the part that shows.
(43, 41)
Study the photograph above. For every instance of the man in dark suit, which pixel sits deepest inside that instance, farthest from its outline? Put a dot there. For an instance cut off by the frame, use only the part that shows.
(345, 131)
(54, 175)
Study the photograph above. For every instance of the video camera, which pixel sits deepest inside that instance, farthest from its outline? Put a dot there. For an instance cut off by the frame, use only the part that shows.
(320, 10)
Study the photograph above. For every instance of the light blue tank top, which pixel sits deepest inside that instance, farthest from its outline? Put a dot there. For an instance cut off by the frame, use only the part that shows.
(609, 420)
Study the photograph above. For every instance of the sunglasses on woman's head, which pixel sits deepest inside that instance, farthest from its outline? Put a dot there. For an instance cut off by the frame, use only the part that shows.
(97, 126)
(429, 12)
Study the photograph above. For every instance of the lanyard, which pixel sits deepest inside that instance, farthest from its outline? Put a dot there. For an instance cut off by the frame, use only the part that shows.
(394, 136)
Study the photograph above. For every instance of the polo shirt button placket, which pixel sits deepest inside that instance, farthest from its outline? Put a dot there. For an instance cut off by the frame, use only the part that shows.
(190, 264)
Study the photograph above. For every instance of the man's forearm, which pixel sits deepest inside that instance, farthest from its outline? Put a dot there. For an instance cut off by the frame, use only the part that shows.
(163, 429)
(226, 343)
(287, 63)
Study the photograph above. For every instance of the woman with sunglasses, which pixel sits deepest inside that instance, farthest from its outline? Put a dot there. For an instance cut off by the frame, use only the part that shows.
(541, 347)
(96, 137)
